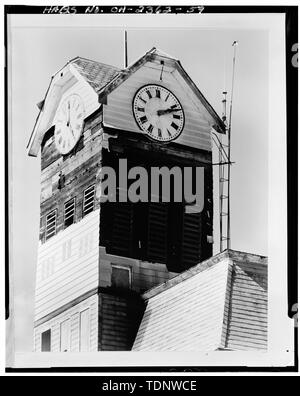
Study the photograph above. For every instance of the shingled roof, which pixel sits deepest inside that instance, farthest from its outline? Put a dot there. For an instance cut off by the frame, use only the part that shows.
(97, 74)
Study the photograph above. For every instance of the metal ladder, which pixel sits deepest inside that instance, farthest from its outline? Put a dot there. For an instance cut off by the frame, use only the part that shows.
(223, 145)
(224, 177)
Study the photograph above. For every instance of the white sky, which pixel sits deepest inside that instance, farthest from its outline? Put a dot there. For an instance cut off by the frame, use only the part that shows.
(206, 54)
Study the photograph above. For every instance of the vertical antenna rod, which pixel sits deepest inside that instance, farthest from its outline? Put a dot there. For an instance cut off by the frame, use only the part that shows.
(224, 101)
(234, 44)
(222, 174)
(125, 49)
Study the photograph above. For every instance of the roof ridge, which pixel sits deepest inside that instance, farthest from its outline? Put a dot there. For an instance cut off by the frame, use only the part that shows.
(241, 252)
(201, 267)
(94, 61)
(164, 54)
(186, 274)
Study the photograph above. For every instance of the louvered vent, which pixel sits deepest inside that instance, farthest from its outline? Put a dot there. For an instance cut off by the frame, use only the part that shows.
(50, 225)
(69, 212)
(88, 200)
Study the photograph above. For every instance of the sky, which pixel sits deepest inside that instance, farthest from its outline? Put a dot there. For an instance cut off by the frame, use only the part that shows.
(40, 46)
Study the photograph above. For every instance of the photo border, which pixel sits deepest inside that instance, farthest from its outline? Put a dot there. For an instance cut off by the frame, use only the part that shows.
(291, 30)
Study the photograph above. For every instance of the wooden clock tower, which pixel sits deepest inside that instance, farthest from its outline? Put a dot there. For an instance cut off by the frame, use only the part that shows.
(95, 256)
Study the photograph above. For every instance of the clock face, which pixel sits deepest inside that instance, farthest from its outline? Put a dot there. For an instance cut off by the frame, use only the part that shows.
(158, 113)
(69, 122)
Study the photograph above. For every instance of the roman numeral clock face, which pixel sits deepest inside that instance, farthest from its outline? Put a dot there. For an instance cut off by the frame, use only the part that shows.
(158, 113)
(69, 123)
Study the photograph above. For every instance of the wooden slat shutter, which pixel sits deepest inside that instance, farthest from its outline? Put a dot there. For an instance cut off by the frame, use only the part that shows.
(191, 239)
(116, 227)
(122, 228)
(157, 249)
(175, 213)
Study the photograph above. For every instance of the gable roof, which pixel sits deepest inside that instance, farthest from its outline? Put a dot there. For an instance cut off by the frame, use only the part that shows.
(105, 78)
(157, 55)
(220, 303)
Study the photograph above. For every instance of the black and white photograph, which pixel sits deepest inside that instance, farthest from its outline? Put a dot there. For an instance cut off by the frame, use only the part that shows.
(147, 188)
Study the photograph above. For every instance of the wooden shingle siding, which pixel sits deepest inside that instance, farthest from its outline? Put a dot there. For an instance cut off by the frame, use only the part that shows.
(186, 317)
(67, 265)
(248, 309)
(118, 111)
(72, 314)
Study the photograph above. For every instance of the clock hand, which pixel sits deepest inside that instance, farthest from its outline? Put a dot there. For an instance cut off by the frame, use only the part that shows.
(166, 111)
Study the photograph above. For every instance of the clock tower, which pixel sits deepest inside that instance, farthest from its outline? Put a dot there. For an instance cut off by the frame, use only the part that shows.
(99, 128)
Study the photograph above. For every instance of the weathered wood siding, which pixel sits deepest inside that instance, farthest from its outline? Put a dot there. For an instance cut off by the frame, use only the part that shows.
(81, 168)
(118, 111)
(246, 309)
(67, 265)
(187, 316)
(72, 314)
(119, 318)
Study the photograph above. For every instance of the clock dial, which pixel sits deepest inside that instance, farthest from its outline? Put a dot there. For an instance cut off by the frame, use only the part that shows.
(69, 123)
(158, 113)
